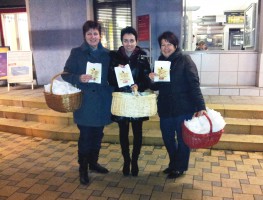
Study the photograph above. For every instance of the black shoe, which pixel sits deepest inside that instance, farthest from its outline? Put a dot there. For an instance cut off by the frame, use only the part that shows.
(83, 174)
(83, 169)
(83, 178)
(98, 168)
(93, 162)
(175, 174)
(167, 170)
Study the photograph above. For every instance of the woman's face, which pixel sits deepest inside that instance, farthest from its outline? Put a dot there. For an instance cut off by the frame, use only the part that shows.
(92, 37)
(167, 48)
(129, 42)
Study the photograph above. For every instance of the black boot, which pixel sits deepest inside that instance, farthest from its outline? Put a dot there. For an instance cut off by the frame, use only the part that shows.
(126, 165)
(137, 144)
(93, 163)
(134, 164)
(83, 169)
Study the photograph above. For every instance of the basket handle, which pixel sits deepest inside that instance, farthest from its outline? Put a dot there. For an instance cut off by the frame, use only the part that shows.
(54, 77)
(209, 121)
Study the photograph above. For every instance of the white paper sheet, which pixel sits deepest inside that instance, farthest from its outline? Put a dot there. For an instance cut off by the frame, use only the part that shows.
(94, 69)
(162, 71)
(124, 76)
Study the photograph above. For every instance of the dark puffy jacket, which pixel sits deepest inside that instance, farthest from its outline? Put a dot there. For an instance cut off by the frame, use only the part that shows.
(182, 95)
(140, 69)
(96, 100)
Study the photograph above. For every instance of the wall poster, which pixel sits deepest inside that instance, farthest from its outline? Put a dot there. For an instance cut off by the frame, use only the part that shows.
(3, 62)
(144, 35)
(19, 67)
(143, 27)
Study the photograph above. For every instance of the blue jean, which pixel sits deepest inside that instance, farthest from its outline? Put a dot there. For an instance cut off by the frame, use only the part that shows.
(178, 151)
(90, 138)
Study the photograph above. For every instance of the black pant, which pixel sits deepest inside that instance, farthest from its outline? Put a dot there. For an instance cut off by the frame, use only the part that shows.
(90, 139)
(124, 137)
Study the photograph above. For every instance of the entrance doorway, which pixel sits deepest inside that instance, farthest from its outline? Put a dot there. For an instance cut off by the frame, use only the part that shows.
(14, 29)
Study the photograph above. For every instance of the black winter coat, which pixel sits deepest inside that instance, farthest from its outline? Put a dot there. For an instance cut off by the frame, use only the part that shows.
(140, 69)
(182, 95)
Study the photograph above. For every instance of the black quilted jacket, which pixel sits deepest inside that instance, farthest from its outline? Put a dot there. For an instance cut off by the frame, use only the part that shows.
(182, 95)
(140, 69)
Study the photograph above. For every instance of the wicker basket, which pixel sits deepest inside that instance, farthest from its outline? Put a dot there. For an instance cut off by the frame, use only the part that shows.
(62, 103)
(194, 140)
(127, 105)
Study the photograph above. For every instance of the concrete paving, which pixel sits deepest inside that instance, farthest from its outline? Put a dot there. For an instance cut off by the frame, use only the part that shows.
(35, 168)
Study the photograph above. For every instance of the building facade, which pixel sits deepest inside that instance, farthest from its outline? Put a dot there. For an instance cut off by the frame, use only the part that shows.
(55, 28)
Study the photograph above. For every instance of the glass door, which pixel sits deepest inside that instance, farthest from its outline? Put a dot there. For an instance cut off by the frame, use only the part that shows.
(14, 30)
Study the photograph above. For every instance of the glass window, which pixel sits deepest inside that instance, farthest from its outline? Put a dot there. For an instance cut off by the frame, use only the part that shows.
(221, 26)
(113, 15)
(15, 31)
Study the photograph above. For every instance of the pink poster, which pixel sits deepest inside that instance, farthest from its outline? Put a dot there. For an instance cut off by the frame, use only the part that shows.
(3, 65)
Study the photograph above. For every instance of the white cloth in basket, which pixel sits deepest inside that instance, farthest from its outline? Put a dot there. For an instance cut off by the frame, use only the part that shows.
(200, 125)
(61, 87)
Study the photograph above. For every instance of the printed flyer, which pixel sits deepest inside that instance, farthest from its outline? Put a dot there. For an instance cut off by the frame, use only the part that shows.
(124, 76)
(162, 71)
(94, 69)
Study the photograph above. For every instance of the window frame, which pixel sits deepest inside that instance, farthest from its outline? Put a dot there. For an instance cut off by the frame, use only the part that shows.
(113, 5)
(7, 11)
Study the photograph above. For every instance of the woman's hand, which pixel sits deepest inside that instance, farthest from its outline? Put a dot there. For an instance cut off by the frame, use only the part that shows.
(152, 75)
(200, 113)
(85, 78)
(134, 87)
(122, 66)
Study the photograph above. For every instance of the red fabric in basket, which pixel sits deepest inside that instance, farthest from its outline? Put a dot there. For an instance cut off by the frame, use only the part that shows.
(194, 140)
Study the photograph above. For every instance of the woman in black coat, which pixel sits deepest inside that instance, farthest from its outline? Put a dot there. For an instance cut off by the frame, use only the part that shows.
(133, 55)
(178, 100)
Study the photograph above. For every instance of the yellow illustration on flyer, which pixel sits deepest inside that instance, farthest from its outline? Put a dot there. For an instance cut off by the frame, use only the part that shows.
(94, 69)
(124, 77)
(94, 73)
(162, 73)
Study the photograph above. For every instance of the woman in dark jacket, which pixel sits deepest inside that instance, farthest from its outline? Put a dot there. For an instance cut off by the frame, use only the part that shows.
(178, 100)
(133, 55)
(94, 112)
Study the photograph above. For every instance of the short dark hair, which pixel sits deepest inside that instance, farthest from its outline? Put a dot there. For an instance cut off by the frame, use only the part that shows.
(170, 37)
(91, 24)
(201, 42)
(128, 30)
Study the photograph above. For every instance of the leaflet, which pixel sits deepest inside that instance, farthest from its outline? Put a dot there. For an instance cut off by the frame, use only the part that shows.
(162, 71)
(124, 76)
(94, 69)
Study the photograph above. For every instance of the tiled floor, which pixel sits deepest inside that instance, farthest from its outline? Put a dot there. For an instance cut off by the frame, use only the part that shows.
(42, 169)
